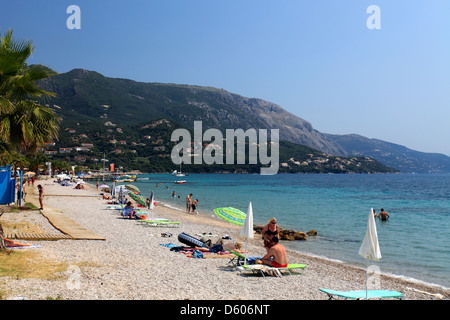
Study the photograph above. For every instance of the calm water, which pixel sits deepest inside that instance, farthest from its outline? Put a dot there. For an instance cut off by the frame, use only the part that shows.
(414, 242)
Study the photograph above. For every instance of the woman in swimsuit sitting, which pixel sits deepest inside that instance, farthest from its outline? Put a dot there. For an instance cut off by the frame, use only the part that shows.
(269, 231)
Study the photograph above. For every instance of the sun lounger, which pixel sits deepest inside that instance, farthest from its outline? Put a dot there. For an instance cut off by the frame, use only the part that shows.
(115, 206)
(239, 259)
(260, 268)
(153, 220)
(380, 294)
(153, 223)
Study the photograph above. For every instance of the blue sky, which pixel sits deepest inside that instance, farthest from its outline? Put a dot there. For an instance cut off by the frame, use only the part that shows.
(316, 59)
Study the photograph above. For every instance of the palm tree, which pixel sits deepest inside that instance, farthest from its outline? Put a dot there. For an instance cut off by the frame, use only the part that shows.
(24, 123)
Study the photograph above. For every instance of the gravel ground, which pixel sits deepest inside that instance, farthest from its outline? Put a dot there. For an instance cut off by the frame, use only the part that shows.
(131, 263)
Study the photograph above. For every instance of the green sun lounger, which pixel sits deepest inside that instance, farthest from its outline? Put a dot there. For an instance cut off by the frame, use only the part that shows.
(239, 258)
(374, 294)
(153, 220)
(290, 267)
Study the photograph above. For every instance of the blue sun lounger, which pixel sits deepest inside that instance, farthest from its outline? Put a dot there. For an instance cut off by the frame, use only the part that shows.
(359, 295)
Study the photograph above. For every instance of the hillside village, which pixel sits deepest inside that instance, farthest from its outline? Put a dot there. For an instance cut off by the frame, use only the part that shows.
(147, 147)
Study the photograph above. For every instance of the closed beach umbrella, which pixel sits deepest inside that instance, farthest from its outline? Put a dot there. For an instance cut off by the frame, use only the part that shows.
(370, 248)
(231, 215)
(133, 188)
(152, 204)
(120, 195)
(247, 229)
(152, 200)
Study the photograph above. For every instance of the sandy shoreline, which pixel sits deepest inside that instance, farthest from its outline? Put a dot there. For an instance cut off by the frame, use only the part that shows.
(132, 263)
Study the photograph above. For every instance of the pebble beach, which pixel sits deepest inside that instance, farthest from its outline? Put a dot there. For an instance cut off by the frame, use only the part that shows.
(131, 264)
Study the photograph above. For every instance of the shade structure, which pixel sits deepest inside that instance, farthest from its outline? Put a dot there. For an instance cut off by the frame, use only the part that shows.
(133, 188)
(370, 248)
(231, 215)
(138, 198)
(247, 229)
(120, 198)
(119, 188)
(152, 200)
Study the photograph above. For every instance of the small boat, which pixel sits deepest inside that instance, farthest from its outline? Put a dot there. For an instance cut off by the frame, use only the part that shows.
(180, 182)
(178, 174)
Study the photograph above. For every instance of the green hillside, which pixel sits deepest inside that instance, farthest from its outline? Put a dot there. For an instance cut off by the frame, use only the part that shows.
(131, 124)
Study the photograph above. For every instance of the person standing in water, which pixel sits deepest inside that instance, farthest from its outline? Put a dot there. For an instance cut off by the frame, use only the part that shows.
(194, 206)
(383, 216)
(188, 203)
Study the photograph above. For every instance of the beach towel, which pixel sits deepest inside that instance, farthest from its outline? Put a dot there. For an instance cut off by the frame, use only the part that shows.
(169, 245)
(265, 269)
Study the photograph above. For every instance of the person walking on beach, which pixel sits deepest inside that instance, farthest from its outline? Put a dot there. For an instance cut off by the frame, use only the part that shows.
(383, 216)
(270, 230)
(41, 197)
(194, 206)
(276, 257)
(32, 181)
(188, 202)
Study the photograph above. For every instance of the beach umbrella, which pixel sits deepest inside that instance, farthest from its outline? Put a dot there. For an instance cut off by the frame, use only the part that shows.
(138, 198)
(120, 195)
(152, 200)
(113, 190)
(247, 229)
(133, 195)
(120, 188)
(370, 248)
(103, 186)
(133, 188)
(141, 200)
(152, 204)
(231, 215)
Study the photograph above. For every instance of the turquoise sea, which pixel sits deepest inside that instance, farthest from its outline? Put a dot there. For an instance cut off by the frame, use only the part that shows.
(414, 242)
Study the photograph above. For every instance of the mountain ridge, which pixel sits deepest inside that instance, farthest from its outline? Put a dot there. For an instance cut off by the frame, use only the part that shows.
(90, 96)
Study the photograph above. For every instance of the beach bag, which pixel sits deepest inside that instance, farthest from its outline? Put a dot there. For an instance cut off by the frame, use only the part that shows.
(197, 254)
